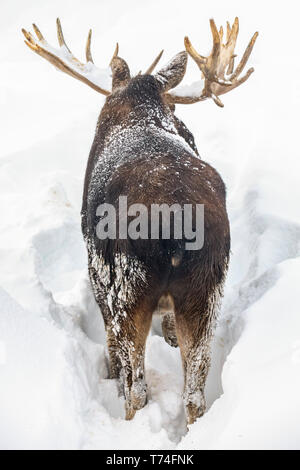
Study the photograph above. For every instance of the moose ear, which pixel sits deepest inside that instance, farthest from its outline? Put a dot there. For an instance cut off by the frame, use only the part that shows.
(120, 72)
(171, 74)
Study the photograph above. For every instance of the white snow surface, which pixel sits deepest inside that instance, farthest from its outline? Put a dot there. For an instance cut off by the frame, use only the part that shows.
(54, 391)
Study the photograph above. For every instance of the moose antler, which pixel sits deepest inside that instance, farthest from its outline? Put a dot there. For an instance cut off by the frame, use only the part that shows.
(64, 60)
(218, 68)
(154, 63)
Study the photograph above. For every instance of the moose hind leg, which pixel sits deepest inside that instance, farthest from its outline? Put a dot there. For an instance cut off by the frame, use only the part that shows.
(197, 367)
(132, 342)
(194, 332)
(115, 365)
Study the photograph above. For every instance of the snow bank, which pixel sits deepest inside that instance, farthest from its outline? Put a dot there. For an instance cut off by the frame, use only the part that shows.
(54, 389)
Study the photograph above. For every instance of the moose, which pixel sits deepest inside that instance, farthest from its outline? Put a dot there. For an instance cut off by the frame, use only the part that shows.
(143, 151)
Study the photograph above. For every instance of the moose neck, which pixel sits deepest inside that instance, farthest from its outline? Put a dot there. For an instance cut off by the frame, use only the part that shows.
(135, 106)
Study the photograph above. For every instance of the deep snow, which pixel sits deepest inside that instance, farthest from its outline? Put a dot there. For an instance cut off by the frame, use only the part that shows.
(54, 392)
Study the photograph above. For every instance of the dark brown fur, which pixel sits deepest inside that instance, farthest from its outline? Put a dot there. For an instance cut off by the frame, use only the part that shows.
(143, 151)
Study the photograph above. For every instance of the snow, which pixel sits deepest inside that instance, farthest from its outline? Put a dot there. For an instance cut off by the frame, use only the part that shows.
(53, 369)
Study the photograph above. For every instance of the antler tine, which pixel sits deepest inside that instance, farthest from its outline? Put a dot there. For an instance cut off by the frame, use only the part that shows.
(228, 31)
(62, 42)
(154, 63)
(212, 71)
(231, 42)
(217, 100)
(88, 53)
(221, 32)
(245, 57)
(216, 45)
(242, 79)
(38, 32)
(29, 38)
(60, 36)
(231, 64)
(199, 59)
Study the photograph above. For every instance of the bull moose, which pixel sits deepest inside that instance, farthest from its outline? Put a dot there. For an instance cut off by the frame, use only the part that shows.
(141, 150)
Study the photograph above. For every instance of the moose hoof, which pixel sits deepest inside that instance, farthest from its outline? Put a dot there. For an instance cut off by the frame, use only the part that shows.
(137, 399)
(194, 406)
(139, 394)
(129, 412)
(193, 412)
